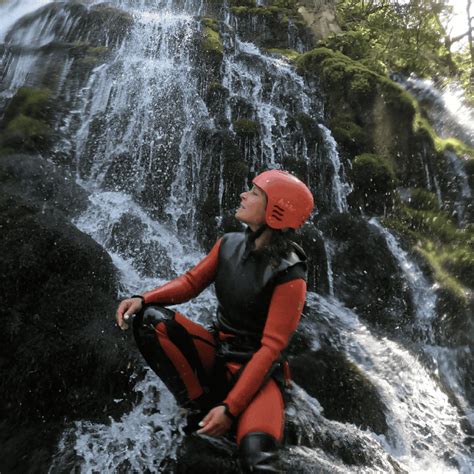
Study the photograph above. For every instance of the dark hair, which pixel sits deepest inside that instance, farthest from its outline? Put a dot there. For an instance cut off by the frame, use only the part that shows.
(279, 246)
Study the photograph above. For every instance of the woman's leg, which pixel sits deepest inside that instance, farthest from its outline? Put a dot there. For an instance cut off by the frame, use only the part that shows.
(260, 430)
(179, 351)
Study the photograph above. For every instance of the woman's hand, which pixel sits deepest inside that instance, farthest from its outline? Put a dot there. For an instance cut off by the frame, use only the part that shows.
(215, 423)
(129, 306)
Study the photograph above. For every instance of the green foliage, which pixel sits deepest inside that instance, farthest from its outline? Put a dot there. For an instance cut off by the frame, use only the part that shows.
(405, 36)
(447, 249)
(422, 199)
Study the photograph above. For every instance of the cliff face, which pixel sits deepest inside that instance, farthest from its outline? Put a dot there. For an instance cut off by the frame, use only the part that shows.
(320, 17)
(127, 134)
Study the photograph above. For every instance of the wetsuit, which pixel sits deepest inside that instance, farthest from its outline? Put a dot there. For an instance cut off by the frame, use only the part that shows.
(260, 303)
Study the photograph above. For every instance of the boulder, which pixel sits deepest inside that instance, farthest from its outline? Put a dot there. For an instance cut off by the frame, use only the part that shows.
(60, 351)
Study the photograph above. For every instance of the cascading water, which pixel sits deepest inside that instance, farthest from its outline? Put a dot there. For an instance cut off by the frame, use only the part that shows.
(137, 115)
(425, 299)
(447, 110)
(450, 117)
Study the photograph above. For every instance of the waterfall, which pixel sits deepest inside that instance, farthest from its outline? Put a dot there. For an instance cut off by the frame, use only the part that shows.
(444, 359)
(132, 131)
(423, 423)
(451, 117)
(424, 296)
(446, 108)
(340, 188)
(463, 190)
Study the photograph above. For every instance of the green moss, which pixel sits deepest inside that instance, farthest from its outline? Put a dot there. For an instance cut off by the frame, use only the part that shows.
(349, 135)
(447, 249)
(373, 174)
(339, 73)
(25, 123)
(26, 132)
(246, 128)
(210, 23)
(460, 148)
(291, 54)
(29, 101)
(442, 275)
(212, 42)
(235, 170)
(422, 199)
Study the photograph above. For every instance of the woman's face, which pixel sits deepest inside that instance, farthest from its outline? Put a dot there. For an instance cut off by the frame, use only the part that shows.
(252, 208)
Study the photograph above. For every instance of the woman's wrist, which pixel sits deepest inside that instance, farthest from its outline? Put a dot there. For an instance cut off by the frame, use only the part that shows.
(227, 412)
(138, 296)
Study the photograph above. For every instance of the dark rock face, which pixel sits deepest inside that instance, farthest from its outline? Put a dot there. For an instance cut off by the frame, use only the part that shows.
(60, 355)
(40, 182)
(343, 390)
(366, 276)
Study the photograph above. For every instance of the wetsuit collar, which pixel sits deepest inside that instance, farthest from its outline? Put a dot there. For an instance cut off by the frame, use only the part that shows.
(251, 237)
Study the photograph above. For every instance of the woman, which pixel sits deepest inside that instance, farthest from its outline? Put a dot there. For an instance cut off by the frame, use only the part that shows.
(231, 373)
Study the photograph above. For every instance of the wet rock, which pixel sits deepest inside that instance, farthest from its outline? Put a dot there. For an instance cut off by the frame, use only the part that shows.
(101, 24)
(345, 394)
(198, 454)
(366, 276)
(63, 355)
(128, 237)
(275, 26)
(26, 124)
(42, 183)
(374, 180)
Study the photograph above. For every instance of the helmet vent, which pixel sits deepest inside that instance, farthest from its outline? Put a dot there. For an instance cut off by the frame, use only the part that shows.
(278, 213)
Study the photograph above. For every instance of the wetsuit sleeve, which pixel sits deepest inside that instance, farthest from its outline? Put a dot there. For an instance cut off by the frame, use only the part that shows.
(283, 318)
(190, 284)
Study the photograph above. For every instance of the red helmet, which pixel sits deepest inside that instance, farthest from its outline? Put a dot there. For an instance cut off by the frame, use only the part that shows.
(289, 201)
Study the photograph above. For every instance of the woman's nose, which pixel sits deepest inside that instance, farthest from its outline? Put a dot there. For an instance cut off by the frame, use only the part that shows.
(243, 195)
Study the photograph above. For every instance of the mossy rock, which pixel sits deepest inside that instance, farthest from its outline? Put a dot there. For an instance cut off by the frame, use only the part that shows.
(274, 22)
(422, 199)
(374, 180)
(290, 54)
(446, 249)
(246, 128)
(26, 133)
(32, 102)
(351, 136)
(373, 173)
(341, 76)
(243, 3)
(212, 43)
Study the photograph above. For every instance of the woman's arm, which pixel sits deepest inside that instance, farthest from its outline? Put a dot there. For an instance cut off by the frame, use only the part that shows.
(283, 317)
(177, 291)
(190, 284)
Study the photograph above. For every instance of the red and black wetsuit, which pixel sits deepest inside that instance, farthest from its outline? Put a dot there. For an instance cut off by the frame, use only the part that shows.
(260, 303)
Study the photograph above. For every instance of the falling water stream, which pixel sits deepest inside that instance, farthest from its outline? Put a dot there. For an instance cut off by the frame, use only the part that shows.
(144, 103)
